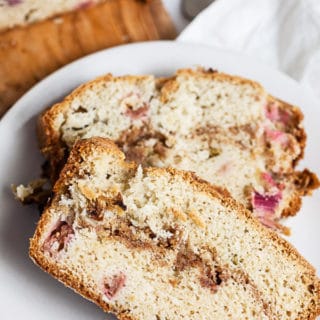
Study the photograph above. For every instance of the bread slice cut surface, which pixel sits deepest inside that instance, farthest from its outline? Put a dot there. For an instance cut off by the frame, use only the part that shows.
(226, 129)
(160, 243)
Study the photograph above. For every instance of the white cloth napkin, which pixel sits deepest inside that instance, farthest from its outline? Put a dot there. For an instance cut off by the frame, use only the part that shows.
(284, 34)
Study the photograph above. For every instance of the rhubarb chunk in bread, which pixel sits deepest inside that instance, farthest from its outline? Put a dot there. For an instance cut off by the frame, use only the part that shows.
(159, 243)
(226, 129)
(22, 12)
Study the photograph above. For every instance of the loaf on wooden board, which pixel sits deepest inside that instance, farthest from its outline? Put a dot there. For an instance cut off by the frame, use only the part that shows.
(23, 12)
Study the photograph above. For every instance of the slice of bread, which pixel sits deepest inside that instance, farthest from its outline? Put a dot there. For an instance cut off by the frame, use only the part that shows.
(22, 12)
(226, 129)
(159, 243)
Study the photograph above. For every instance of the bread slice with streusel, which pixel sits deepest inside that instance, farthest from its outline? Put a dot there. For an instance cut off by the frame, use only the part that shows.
(226, 129)
(155, 244)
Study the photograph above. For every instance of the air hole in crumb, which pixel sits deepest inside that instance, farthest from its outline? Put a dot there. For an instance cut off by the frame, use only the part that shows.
(218, 278)
(311, 288)
(214, 152)
(152, 235)
(29, 14)
(80, 128)
(119, 202)
(235, 260)
(81, 110)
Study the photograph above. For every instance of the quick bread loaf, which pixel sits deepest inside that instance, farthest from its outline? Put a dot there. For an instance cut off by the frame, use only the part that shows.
(158, 243)
(23, 12)
(226, 129)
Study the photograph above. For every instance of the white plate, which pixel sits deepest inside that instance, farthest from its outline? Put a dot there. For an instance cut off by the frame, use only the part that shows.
(28, 293)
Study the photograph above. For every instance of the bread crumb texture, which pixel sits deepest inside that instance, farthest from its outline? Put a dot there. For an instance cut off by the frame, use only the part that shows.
(226, 129)
(159, 243)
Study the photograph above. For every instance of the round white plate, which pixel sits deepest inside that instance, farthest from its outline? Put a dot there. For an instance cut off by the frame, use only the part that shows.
(26, 292)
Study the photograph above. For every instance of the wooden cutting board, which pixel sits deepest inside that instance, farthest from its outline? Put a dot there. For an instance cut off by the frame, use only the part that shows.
(29, 54)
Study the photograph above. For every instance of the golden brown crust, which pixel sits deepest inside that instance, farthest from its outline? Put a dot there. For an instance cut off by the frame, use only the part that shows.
(84, 148)
(295, 128)
(160, 82)
(171, 85)
(293, 206)
(305, 182)
(220, 76)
